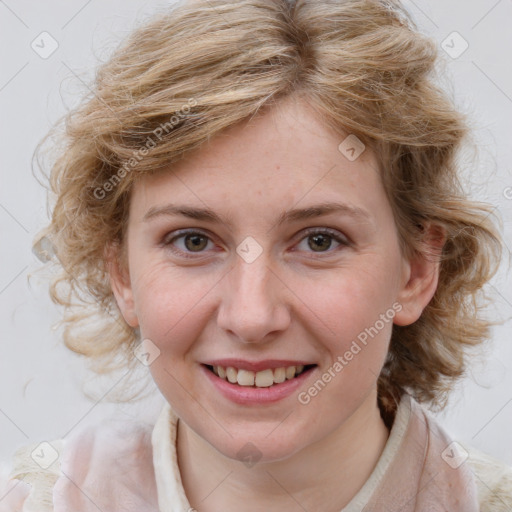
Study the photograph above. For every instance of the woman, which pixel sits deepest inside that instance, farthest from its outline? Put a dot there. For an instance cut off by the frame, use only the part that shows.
(261, 198)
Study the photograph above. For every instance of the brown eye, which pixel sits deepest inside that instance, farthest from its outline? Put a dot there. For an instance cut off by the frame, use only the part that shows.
(321, 241)
(186, 243)
(195, 242)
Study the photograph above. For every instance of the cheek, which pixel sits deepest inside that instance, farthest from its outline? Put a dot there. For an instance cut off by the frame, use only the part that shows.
(171, 314)
(348, 301)
(351, 316)
(167, 301)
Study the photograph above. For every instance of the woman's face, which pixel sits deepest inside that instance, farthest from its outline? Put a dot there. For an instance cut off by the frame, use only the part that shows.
(234, 261)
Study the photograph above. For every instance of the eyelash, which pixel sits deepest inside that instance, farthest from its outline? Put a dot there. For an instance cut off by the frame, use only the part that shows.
(343, 241)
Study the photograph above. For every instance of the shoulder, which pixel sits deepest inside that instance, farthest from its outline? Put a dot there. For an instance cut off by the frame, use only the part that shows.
(28, 481)
(493, 479)
(13, 492)
(106, 463)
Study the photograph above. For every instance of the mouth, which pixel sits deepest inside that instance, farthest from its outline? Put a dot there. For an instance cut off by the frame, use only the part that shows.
(268, 378)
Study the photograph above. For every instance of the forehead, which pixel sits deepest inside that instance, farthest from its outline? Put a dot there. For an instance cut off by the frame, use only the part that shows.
(283, 158)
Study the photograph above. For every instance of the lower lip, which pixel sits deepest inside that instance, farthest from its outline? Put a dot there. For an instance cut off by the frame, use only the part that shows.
(247, 395)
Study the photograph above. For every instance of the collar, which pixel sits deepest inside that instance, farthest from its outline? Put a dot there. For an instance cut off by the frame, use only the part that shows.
(414, 473)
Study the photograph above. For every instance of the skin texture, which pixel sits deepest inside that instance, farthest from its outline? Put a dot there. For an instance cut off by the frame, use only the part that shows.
(297, 300)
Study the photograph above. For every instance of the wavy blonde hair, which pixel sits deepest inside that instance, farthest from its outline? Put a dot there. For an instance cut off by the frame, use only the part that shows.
(188, 73)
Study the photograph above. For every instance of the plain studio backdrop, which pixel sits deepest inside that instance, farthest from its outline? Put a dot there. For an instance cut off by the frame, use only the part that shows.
(49, 51)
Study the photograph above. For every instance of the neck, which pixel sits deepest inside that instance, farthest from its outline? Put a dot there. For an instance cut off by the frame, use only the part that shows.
(329, 472)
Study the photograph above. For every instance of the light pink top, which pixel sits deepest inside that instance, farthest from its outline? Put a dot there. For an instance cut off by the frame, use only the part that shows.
(132, 467)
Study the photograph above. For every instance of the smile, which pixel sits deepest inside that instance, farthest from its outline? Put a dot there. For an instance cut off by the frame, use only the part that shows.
(261, 379)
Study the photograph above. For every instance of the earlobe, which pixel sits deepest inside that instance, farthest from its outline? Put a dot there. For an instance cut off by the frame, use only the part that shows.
(121, 285)
(421, 273)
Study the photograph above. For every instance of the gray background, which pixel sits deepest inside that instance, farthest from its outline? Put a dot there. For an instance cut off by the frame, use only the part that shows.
(41, 381)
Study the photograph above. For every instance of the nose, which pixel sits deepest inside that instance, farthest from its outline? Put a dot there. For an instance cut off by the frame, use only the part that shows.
(253, 306)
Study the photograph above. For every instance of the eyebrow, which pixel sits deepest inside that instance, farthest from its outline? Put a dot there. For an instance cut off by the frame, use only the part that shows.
(294, 215)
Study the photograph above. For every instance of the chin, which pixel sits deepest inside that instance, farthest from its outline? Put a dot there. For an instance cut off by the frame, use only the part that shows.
(260, 446)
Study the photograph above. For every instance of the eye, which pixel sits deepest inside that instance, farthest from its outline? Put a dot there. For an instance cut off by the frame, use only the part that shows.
(189, 242)
(320, 240)
(185, 243)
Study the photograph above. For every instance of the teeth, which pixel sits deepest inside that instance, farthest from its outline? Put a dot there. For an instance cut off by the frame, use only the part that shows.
(262, 379)
(279, 375)
(290, 372)
(245, 378)
(231, 374)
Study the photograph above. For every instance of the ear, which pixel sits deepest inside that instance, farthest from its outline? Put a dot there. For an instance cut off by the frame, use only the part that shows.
(120, 283)
(421, 276)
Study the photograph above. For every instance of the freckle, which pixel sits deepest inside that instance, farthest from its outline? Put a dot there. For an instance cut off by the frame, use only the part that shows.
(278, 167)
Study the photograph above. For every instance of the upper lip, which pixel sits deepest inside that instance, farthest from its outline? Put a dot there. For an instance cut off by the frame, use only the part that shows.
(256, 366)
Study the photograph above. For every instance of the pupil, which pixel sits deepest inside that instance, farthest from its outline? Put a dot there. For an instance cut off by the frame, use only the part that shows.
(195, 241)
(318, 239)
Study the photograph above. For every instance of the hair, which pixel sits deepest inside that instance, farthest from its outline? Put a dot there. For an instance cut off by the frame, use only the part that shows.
(190, 72)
